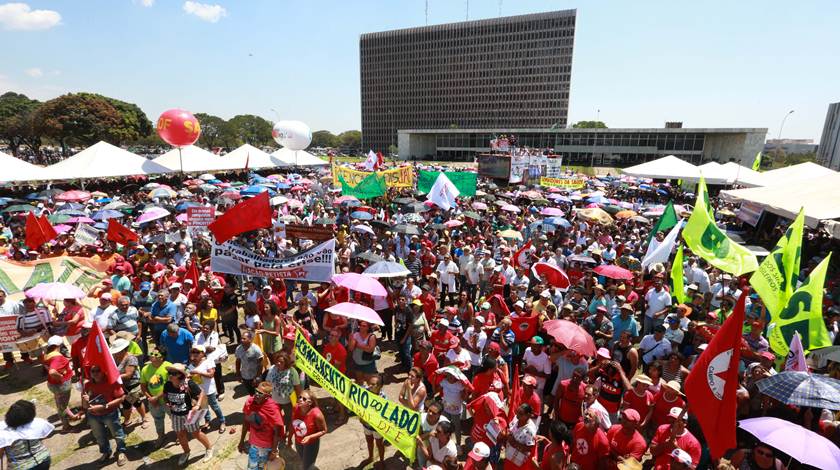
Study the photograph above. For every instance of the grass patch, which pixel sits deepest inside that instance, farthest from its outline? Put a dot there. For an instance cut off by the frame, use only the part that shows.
(67, 452)
(41, 396)
(161, 454)
(133, 440)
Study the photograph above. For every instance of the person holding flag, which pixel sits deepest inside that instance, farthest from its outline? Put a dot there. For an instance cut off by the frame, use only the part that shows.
(101, 400)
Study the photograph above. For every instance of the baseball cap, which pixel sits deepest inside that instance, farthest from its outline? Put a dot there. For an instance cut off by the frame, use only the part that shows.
(480, 319)
(198, 347)
(146, 285)
(681, 456)
(537, 340)
(604, 352)
(494, 347)
(545, 294)
(105, 296)
(175, 285)
(529, 380)
(675, 412)
(480, 451)
(55, 340)
(631, 415)
(485, 306)
(416, 302)
(443, 322)
(519, 303)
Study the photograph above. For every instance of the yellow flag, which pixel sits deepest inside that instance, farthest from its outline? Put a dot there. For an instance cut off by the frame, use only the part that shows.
(803, 314)
(778, 274)
(677, 276)
(710, 243)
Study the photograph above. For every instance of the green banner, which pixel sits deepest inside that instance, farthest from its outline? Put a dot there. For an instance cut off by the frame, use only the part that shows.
(370, 187)
(465, 181)
(667, 220)
(707, 241)
(396, 423)
(777, 275)
(803, 314)
(677, 283)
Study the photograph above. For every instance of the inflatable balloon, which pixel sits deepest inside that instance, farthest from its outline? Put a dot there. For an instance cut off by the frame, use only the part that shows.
(178, 127)
(294, 135)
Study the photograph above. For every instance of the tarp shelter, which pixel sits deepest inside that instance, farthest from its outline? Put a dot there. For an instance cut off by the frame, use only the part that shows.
(741, 175)
(252, 157)
(15, 169)
(669, 167)
(818, 196)
(102, 160)
(297, 158)
(799, 172)
(194, 160)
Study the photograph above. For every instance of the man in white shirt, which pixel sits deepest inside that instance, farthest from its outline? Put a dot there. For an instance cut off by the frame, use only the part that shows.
(520, 282)
(658, 303)
(488, 264)
(447, 273)
(537, 362)
(700, 277)
(473, 272)
(463, 264)
(726, 286)
(654, 346)
(102, 313)
(458, 356)
(474, 341)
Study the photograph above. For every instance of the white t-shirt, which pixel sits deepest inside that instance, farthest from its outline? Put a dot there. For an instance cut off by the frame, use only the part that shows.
(657, 301)
(480, 342)
(426, 427)
(463, 358)
(452, 401)
(654, 351)
(440, 453)
(541, 362)
(208, 385)
(103, 316)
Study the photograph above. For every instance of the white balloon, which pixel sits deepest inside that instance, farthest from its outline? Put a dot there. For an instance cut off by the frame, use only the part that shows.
(294, 135)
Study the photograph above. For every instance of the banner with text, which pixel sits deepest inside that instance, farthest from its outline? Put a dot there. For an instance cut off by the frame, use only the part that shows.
(200, 216)
(396, 423)
(308, 232)
(8, 333)
(402, 177)
(565, 183)
(315, 265)
(16, 277)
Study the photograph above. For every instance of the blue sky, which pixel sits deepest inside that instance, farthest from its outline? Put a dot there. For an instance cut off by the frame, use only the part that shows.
(708, 64)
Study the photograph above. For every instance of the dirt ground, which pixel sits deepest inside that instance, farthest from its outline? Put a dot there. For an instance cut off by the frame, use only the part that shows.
(343, 448)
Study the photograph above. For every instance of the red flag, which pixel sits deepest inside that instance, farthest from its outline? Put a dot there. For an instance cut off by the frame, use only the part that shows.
(119, 233)
(380, 160)
(520, 258)
(713, 383)
(248, 215)
(38, 231)
(97, 354)
(498, 306)
(524, 328)
(192, 272)
(515, 394)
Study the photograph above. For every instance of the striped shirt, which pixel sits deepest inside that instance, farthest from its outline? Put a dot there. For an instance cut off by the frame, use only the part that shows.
(124, 321)
(34, 320)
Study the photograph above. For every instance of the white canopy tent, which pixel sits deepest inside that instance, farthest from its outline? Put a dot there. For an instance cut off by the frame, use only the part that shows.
(194, 160)
(102, 160)
(742, 175)
(252, 157)
(297, 158)
(669, 167)
(15, 169)
(800, 172)
(818, 196)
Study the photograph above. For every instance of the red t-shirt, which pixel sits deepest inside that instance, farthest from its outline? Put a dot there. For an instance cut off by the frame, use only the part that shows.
(484, 409)
(77, 352)
(686, 442)
(661, 408)
(536, 404)
(61, 364)
(440, 341)
(588, 447)
(102, 394)
(429, 306)
(74, 311)
(548, 453)
(336, 355)
(342, 294)
(570, 399)
(622, 446)
(641, 404)
(304, 425)
(261, 419)
(483, 381)
(429, 367)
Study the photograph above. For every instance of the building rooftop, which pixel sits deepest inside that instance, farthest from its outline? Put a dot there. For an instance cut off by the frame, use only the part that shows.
(681, 130)
(471, 23)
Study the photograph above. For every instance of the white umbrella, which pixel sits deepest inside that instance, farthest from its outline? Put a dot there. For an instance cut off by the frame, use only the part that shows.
(362, 228)
(387, 269)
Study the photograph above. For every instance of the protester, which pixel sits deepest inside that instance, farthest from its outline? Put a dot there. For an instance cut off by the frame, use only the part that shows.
(101, 400)
(153, 377)
(309, 426)
(59, 379)
(263, 426)
(22, 436)
(185, 400)
(285, 381)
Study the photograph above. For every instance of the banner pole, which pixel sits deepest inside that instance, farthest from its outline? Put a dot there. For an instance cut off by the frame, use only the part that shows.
(181, 159)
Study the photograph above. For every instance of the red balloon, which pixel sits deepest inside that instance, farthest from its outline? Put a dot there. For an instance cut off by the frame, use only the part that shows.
(178, 127)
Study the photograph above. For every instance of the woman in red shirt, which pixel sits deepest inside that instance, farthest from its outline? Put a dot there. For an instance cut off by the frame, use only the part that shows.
(667, 398)
(69, 322)
(58, 378)
(556, 454)
(309, 425)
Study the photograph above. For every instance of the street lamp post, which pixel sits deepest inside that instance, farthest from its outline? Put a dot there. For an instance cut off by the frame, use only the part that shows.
(779, 137)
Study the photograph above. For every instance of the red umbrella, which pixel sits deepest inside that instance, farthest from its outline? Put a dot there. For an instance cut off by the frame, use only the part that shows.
(571, 335)
(551, 274)
(614, 272)
(73, 196)
(232, 195)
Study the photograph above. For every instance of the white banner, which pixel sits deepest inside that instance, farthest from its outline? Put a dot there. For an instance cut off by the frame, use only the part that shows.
(86, 235)
(315, 265)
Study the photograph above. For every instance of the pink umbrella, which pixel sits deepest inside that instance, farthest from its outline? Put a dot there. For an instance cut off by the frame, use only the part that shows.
(360, 283)
(359, 312)
(511, 208)
(343, 199)
(61, 228)
(552, 211)
(453, 223)
(294, 203)
(275, 177)
(297, 188)
(55, 291)
(554, 189)
(232, 195)
(154, 213)
(224, 185)
(76, 220)
(571, 335)
(73, 196)
(592, 205)
(614, 272)
(479, 206)
(182, 217)
(551, 274)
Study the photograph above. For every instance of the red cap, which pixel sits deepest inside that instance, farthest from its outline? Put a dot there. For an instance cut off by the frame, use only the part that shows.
(494, 347)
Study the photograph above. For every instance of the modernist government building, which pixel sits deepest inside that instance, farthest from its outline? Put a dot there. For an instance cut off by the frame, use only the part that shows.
(444, 91)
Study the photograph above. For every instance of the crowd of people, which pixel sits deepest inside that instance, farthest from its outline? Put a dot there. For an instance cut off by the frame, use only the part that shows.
(450, 324)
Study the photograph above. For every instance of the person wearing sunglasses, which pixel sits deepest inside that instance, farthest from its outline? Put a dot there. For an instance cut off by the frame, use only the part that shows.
(101, 400)
(309, 425)
(760, 457)
(184, 399)
(153, 377)
(263, 425)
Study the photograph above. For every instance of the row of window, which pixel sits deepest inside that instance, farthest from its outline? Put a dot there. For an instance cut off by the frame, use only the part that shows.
(664, 142)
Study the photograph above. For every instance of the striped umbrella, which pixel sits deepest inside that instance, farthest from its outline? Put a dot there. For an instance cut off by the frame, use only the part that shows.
(802, 389)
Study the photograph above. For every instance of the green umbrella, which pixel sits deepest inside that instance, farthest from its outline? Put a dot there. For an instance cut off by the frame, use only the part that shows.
(58, 218)
(612, 209)
(472, 215)
(19, 208)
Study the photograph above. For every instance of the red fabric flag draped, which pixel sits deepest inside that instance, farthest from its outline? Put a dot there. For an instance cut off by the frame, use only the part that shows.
(253, 214)
(192, 272)
(520, 258)
(515, 394)
(97, 354)
(380, 160)
(119, 233)
(712, 385)
(524, 327)
(38, 231)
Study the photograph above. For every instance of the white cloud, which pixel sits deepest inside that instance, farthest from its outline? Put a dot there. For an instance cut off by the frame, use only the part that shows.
(20, 17)
(35, 72)
(207, 12)
(147, 3)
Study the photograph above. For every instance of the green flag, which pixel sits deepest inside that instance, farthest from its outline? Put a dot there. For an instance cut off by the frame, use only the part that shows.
(667, 220)
(803, 314)
(707, 241)
(465, 181)
(757, 162)
(777, 275)
(677, 288)
(370, 187)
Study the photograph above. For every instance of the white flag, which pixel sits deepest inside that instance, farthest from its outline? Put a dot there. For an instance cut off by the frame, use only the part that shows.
(662, 251)
(796, 356)
(372, 160)
(443, 193)
(86, 235)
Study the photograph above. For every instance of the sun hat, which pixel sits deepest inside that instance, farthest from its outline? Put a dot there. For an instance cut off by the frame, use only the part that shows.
(118, 345)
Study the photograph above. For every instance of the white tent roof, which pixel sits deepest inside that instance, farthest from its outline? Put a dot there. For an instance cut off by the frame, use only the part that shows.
(254, 157)
(15, 169)
(819, 198)
(195, 160)
(802, 171)
(102, 160)
(669, 167)
(742, 175)
(297, 158)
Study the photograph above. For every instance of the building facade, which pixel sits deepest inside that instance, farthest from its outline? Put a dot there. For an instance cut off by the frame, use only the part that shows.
(828, 153)
(512, 71)
(592, 147)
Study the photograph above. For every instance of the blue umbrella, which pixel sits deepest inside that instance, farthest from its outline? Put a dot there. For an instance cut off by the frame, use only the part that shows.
(351, 203)
(72, 213)
(558, 221)
(283, 186)
(4, 201)
(598, 200)
(662, 192)
(214, 181)
(254, 190)
(362, 215)
(101, 226)
(70, 205)
(802, 389)
(562, 199)
(184, 205)
(645, 186)
(259, 179)
(107, 214)
(35, 197)
(103, 200)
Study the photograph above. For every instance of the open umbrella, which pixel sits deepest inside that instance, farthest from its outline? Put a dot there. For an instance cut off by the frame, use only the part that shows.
(511, 208)
(154, 213)
(206, 177)
(614, 272)
(80, 220)
(361, 215)
(453, 223)
(55, 291)
(414, 218)
(625, 214)
(52, 192)
(359, 312)
(416, 207)
(405, 200)
(360, 283)
(161, 193)
(369, 256)
(571, 335)
(596, 215)
(510, 234)
(582, 259)
(802, 389)
(407, 229)
(479, 206)
(640, 219)
(342, 199)
(73, 196)
(18, 208)
(801, 444)
(551, 274)
(557, 221)
(324, 221)
(552, 211)
(115, 205)
(184, 205)
(58, 218)
(387, 269)
(362, 228)
(106, 214)
(472, 215)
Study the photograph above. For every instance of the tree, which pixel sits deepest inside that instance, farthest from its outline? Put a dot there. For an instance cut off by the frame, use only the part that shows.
(250, 129)
(215, 132)
(135, 124)
(589, 125)
(16, 112)
(77, 119)
(393, 150)
(352, 139)
(324, 139)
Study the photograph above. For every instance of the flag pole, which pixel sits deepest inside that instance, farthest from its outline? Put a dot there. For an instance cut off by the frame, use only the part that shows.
(180, 159)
